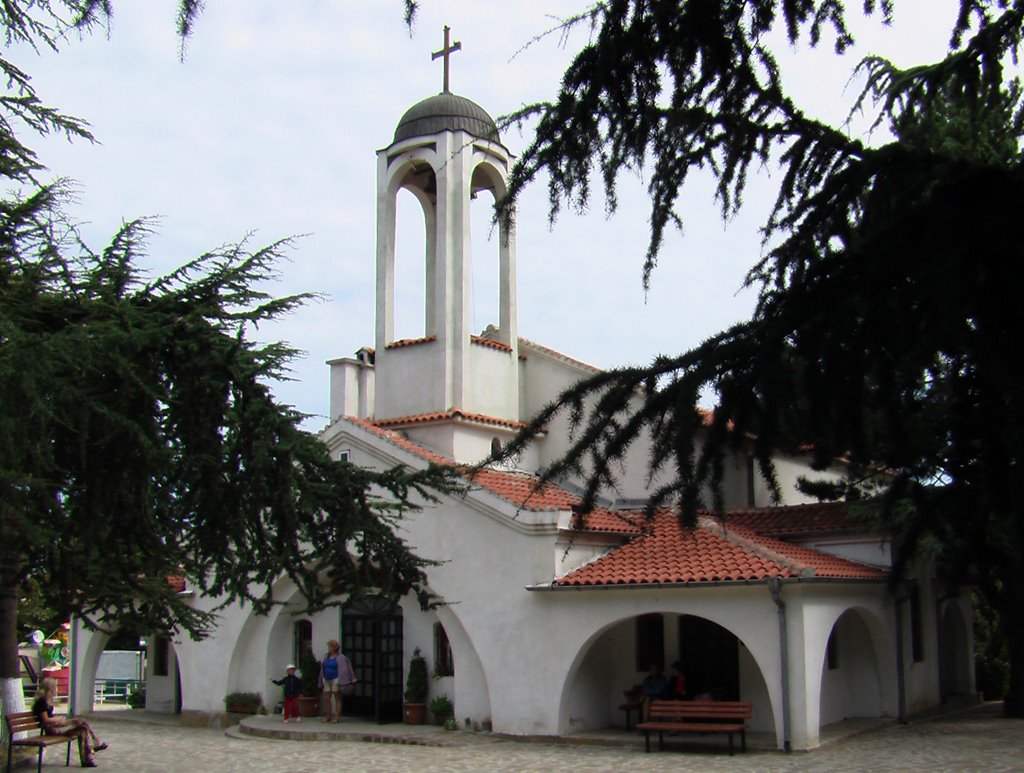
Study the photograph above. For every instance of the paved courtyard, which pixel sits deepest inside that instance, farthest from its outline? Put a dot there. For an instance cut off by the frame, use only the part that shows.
(976, 740)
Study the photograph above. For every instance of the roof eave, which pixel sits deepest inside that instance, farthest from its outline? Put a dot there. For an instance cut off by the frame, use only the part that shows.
(707, 583)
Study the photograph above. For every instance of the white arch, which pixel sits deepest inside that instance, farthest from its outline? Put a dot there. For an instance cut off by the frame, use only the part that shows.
(586, 685)
(955, 657)
(472, 693)
(853, 687)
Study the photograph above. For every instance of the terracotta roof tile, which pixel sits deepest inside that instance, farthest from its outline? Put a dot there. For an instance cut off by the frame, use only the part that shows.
(710, 553)
(451, 413)
(815, 518)
(401, 342)
(490, 342)
(660, 551)
(518, 488)
(610, 521)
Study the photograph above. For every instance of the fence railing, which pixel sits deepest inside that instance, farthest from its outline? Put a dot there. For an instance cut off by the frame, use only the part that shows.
(115, 690)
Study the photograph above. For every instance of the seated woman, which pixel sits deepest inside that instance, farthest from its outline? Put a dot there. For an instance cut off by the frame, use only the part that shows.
(75, 727)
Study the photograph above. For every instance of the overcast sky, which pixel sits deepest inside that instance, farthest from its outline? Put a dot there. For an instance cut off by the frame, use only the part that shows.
(271, 123)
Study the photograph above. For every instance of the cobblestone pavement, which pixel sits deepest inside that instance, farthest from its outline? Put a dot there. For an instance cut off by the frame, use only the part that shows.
(976, 740)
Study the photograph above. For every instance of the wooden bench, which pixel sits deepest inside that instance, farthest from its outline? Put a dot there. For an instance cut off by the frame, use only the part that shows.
(27, 722)
(696, 717)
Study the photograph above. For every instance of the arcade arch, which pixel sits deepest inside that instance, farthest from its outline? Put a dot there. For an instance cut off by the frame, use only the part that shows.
(954, 658)
(851, 680)
(609, 663)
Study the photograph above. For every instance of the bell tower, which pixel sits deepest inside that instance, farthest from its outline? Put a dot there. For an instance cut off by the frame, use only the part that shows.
(446, 151)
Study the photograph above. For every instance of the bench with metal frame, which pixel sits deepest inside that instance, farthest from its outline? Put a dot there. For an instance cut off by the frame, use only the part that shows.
(27, 722)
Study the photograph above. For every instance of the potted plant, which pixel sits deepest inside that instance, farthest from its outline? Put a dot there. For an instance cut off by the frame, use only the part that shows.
(441, 707)
(242, 702)
(416, 690)
(309, 668)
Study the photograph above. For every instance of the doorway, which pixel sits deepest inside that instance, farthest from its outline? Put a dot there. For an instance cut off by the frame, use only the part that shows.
(371, 637)
(709, 655)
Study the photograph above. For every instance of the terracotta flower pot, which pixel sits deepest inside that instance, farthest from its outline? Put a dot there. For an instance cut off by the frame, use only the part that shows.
(415, 713)
(309, 705)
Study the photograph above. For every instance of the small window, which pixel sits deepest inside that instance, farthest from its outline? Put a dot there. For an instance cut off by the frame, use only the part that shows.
(495, 446)
(344, 456)
(650, 642)
(444, 664)
(832, 651)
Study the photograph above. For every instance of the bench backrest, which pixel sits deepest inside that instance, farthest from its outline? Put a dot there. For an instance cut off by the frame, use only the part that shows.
(681, 710)
(22, 722)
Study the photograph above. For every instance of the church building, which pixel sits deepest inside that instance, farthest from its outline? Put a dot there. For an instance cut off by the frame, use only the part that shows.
(548, 617)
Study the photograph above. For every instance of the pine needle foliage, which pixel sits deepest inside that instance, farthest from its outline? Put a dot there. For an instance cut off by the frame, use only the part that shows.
(888, 316)
(140, 441)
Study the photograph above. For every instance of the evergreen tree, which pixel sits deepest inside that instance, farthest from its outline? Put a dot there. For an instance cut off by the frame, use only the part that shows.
(888, 318)
(139, 437)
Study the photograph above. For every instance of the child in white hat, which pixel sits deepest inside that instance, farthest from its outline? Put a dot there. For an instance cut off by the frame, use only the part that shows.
(292, 690)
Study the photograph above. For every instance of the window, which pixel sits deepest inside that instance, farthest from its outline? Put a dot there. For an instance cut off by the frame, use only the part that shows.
(344, 456)
(916, 636)
(444, 664)
(650, 642)
(302, 633)
(495, 446)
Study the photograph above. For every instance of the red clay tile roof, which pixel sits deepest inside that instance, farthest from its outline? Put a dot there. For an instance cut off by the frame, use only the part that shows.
(451, 413)
(819, 518)
(610, 521)
(491, 343)
(518, 488)
(711, 553)
(409, 342)
(660, 552)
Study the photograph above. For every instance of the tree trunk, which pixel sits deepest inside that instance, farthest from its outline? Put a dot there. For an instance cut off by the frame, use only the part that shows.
(11, 694)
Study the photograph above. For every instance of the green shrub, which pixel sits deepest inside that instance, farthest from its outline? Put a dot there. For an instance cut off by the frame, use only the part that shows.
(245, 701)
(309, 673)
(441, 707)
(416, 685)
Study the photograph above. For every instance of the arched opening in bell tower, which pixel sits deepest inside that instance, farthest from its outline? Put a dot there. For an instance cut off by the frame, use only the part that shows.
(485, 261)
(490, 278)
(410, 290)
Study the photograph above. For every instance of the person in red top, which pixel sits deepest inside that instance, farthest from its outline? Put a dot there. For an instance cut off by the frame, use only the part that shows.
(677, 684)
(75, 727)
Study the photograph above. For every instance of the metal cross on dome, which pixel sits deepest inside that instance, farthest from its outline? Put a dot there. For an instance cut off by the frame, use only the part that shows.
(446, 52)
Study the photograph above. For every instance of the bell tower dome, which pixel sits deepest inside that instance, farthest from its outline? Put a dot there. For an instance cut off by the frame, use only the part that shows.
(446, 151)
